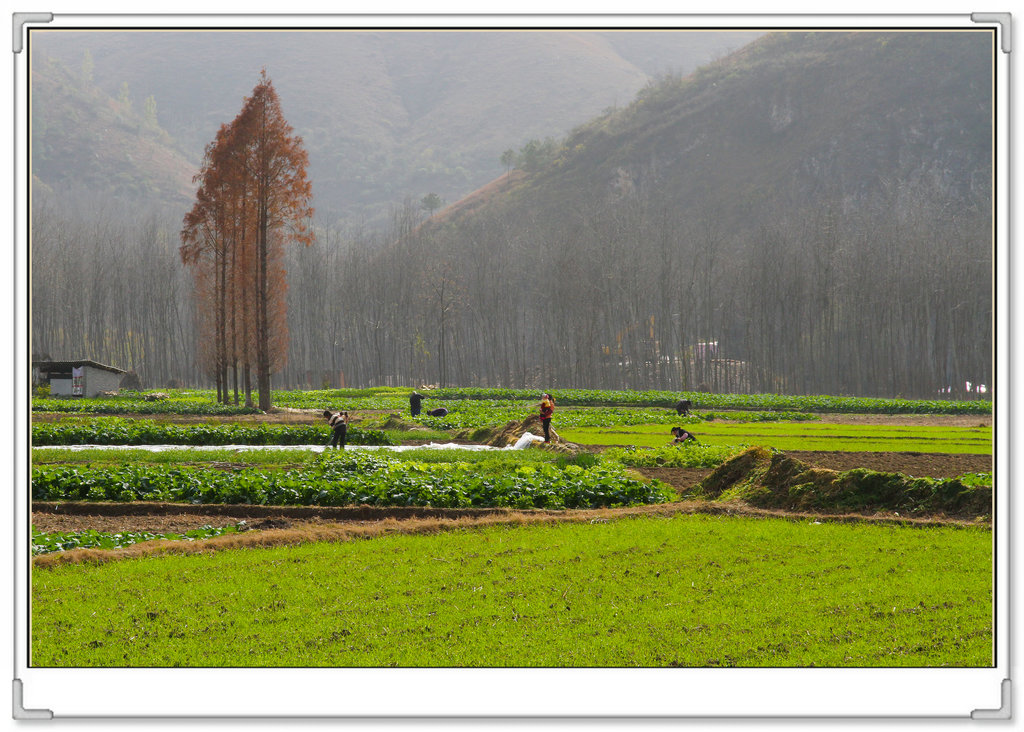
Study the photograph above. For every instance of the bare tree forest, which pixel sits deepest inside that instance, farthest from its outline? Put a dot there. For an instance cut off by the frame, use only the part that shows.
(892, 299)
(108, 285)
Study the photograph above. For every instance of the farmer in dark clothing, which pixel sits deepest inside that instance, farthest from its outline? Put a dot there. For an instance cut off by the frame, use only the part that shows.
(415, 402)
(682, 436)
(439, 412)
(338, 422)
(547, 409)
(683, 407)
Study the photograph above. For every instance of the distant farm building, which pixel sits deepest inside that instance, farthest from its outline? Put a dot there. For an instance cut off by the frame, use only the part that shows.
(77, 378)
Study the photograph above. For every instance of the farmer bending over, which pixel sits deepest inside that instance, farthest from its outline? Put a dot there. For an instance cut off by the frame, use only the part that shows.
(338, 421)
(682, 436)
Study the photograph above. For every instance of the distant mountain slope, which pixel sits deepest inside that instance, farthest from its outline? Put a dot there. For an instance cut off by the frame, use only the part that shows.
(385, 114)
(793, 119)
(85, 140)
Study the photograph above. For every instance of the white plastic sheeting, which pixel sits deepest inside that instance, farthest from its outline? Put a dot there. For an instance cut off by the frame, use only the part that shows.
(526, 440)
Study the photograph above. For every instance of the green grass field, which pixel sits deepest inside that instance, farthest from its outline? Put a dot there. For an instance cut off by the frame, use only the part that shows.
(799, 436)
(683, 591)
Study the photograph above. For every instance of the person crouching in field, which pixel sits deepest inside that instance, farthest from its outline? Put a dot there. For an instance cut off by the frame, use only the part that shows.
(547, 409)
(683, 407)
(337, 421)
(682, 436)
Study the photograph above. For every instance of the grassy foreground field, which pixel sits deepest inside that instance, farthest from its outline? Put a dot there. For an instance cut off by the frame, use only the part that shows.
(681, 591)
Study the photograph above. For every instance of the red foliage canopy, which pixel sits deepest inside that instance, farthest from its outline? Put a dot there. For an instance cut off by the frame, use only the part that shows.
(253, 198)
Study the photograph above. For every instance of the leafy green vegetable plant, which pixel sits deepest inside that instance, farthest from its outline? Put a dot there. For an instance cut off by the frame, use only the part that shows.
(353, 478)
(703, 401)
(55, 541)
(122, 431)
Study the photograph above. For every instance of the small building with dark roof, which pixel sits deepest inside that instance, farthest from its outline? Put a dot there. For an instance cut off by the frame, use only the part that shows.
(78, 378)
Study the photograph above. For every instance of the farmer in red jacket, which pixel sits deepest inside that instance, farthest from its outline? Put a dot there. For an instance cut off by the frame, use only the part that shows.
(547, 408)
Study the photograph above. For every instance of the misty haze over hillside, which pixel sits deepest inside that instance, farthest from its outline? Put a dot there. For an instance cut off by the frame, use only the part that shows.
(384, 115)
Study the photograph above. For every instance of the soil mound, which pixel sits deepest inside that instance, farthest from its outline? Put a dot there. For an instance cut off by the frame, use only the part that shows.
(769, 479)
(512, 431)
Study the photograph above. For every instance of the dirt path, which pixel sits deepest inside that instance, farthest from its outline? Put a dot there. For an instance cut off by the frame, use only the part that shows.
(286, 527)
(915, 464)
(933, 420)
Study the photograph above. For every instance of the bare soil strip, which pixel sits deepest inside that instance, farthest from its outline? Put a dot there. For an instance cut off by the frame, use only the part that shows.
(914, 464)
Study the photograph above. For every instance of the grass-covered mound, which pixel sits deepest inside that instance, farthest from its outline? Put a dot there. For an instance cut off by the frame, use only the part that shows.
(771, 479)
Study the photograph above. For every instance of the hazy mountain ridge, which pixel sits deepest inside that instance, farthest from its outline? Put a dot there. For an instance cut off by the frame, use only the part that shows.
(90, 141)
(793, 119)
(385, 114)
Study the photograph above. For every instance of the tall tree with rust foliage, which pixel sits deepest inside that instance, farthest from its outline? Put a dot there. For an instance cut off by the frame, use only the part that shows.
(253, 198)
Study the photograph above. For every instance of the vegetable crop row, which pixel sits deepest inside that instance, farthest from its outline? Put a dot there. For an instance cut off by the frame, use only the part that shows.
(375, 399)
(353, 479)
(114, 431)
(687, 455)
(199, 401)
(134, 404)
(471, 413)
(47, 542)
(701, 400)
